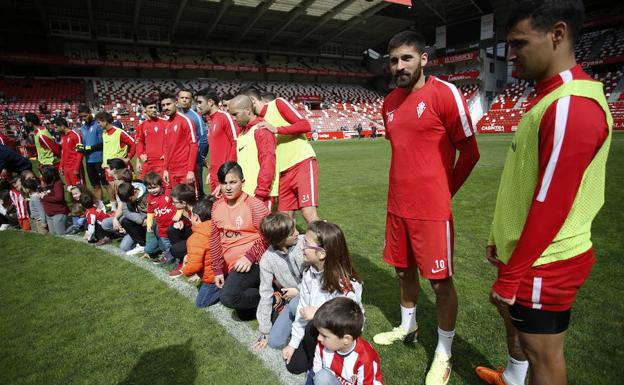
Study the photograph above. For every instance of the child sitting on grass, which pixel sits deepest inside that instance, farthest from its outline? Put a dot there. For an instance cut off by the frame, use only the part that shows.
(281, 266)
(31, 188)
(341, 355)
(160, 213)
(8, 216)
(133, 197)
(95, 232)
(330, 274)
(53, 199)
(77, 212)
(183, 197)
(19, 203)
(197, 260)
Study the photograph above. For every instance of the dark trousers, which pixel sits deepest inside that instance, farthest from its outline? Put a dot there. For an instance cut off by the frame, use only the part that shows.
(135, 230)
(178, 241)
(241, 291)
(301, 360)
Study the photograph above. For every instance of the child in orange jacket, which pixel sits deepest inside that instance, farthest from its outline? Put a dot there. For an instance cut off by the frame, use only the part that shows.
(197, 260)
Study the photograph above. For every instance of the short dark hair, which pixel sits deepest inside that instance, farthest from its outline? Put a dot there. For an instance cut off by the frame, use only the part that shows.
(125, 191)
(86, 200)
(116, 164)
(269, 96)
(341, 316)
(149, 100)
(227, 168)
(32, 118)
(227, 96)
(31, 184)
(276, 227)
(50, 175)
(208, 94)
(61, 122)
(166, 95)
(250, 91)
(84, 108)
(410, 38)
(543, 14)
(153, 179)
(184, 193)
(185, 90)
(203, 208)
(104, 116)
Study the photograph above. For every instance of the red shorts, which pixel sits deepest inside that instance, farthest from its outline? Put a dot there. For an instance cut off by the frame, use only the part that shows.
(298, 186)
(426, 244)
(71, 179)
(157, 167)
(176, 179)
(553, 286)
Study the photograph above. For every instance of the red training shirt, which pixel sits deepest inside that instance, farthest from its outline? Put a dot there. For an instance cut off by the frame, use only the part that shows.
(163, 209)
(424, 128)
(222, 136)
(70, 158)
(150, 139)
(180, 145)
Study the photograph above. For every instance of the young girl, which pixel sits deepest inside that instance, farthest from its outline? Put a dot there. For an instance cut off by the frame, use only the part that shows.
(236, 245)
(77, 212)
(54, 201)
(330, 274)
(160, 213)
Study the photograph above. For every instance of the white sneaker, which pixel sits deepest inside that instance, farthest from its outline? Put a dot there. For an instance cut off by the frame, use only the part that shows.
(4, 227)
(137, 250)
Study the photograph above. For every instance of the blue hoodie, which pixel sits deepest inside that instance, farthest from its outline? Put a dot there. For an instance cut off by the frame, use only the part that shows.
(92, 136)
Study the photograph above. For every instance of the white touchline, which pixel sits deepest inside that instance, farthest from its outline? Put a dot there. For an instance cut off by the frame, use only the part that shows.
(270, 358)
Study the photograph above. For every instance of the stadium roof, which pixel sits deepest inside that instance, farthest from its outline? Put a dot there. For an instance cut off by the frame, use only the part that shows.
(288, 26)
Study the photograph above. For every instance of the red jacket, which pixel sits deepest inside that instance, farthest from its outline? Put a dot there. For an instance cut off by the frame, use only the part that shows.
(70, 158)
(180, 145)
(150, 139)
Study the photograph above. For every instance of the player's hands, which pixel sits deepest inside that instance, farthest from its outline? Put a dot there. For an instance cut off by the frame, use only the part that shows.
(219, 281)
(190, 177)
(149, 229)
(267, 126)
(260, 343)
(290, 293)
(178, 225)
(287, 353)
(308, 312)
(490, 255)
(243, 265)
(216, 192)
(166, 177)
(143, 158)
(194, 278)
(116, 225)
(498, 300)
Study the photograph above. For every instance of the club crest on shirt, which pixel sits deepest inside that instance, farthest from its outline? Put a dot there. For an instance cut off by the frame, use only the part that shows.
(390, 115)
(175, 128)
(155, 128)
(421, 108)
(238, 222)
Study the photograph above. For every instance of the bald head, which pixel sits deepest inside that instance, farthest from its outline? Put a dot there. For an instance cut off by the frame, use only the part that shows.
(241, 109)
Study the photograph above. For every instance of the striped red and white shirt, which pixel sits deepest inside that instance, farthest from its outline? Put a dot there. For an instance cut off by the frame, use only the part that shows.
(570, 134)
(358, 367)
(20, 204)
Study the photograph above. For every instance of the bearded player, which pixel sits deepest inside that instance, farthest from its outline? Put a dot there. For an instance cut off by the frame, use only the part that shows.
(427, 123)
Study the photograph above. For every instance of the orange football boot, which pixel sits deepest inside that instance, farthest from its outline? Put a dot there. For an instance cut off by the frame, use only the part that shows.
(490, 376)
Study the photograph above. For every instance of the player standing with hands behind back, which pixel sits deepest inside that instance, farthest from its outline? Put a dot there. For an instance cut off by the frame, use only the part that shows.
(427, 122)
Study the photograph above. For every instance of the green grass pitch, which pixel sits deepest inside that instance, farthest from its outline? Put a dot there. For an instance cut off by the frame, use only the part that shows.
(71, 314)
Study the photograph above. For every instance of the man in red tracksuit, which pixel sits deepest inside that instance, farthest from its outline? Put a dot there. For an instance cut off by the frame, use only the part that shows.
(180, 146)
(150, 140)
(222, 133)
(71, 160)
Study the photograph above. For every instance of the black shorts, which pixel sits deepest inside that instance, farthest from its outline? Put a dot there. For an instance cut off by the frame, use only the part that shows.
(538, 321)
(96, 174)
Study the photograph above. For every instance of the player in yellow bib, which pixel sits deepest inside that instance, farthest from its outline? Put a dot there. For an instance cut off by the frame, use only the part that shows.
(550, 191)
(296, 159)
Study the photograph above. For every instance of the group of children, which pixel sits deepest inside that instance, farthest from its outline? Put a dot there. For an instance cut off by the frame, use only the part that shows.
(303, 289)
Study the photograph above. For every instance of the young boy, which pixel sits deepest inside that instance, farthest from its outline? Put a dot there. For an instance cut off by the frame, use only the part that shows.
(197, 261)
(95, 232)
(183, 197)
(282, 267)
(341, 356)
(160, 209)
(31, 186)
